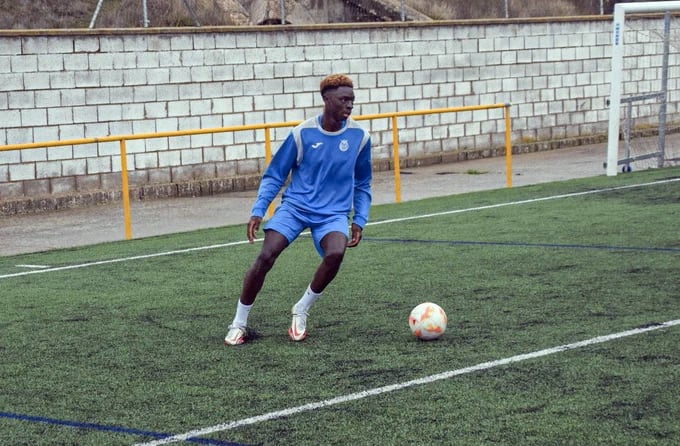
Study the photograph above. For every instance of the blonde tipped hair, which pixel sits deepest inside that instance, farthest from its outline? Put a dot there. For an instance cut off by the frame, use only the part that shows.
(334, 81)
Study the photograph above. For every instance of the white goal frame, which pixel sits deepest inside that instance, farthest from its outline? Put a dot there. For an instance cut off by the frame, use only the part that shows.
(620, 11)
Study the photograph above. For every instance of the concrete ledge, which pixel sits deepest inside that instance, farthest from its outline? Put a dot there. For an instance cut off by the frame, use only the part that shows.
(32, 205)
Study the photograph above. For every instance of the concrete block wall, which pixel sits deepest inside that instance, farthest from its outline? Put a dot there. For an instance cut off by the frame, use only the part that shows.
(59, 85)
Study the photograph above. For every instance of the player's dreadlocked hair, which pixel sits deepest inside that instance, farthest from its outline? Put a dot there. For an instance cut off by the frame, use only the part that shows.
(334, 81)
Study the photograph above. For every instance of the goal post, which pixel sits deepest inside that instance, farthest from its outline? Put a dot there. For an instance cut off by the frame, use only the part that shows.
(621, 10)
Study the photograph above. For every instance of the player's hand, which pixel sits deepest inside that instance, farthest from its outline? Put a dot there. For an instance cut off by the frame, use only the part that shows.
(356, 236)
(253, 227)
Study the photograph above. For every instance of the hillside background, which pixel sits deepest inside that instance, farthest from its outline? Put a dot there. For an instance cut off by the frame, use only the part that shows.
(48, 14)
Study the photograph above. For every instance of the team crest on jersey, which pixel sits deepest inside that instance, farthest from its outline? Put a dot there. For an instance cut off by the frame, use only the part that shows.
(344, 145)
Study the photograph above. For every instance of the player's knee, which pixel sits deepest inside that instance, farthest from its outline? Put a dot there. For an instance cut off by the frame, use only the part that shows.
(265, 260)
(334, 256)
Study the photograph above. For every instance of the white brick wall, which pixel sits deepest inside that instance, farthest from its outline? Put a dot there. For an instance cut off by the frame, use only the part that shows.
(65, 85)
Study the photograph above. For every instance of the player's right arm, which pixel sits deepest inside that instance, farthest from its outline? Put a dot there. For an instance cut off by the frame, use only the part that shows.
(275, 176)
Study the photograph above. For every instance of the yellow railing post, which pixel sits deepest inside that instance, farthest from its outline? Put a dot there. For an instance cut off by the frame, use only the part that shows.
(508, 146)
(126, 190)
(395, 156)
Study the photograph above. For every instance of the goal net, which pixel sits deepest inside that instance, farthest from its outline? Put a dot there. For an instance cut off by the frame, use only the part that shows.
(644, 116)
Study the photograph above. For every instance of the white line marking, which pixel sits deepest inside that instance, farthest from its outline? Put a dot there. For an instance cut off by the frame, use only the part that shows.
(394, 387)
(382, 222)
(123, 259)
(531, 200)
(33, 266)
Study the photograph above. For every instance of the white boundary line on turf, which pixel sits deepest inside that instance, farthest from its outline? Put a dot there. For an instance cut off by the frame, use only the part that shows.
(531, 200)
(382, 222)
(394, 387)
(122, 259)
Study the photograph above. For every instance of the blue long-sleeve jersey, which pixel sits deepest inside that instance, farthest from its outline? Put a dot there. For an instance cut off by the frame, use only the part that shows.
(330, 171)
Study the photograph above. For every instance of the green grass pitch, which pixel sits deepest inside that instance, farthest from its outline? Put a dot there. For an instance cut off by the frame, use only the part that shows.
(121, 343)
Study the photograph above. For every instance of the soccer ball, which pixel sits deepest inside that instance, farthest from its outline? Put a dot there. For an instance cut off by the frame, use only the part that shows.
(427, 321)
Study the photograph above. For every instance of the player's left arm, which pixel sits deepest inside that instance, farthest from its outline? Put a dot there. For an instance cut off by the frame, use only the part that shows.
(356, 235)
(363, 174)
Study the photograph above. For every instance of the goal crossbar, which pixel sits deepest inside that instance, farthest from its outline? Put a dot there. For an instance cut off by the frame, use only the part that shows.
(620, 11)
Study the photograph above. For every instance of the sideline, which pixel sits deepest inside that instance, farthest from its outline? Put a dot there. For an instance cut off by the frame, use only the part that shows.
(416, 382)
(123, 259)
(381, 222)
(531, 200)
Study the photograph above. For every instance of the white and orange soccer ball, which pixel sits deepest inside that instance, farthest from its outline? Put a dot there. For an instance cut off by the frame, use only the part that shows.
(427, 321)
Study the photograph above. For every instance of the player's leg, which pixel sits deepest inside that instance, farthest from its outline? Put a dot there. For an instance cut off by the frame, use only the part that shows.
(333, 245)
(274, 243)
(330, 240)
(280, 231)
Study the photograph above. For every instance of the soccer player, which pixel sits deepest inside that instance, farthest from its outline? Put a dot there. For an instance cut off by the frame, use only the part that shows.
(328, 158)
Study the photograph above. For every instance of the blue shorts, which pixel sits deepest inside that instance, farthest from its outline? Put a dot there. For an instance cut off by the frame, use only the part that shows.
(290, 223)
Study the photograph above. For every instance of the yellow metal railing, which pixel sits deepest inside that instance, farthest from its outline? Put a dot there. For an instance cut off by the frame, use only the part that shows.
(395, 135)
(121, 139)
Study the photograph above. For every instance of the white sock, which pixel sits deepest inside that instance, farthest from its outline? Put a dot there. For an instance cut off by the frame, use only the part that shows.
(306, 301)
(241, 318)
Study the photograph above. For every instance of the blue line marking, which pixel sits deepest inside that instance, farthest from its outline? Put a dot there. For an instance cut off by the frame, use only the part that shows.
(522, 244)
(104, 428)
